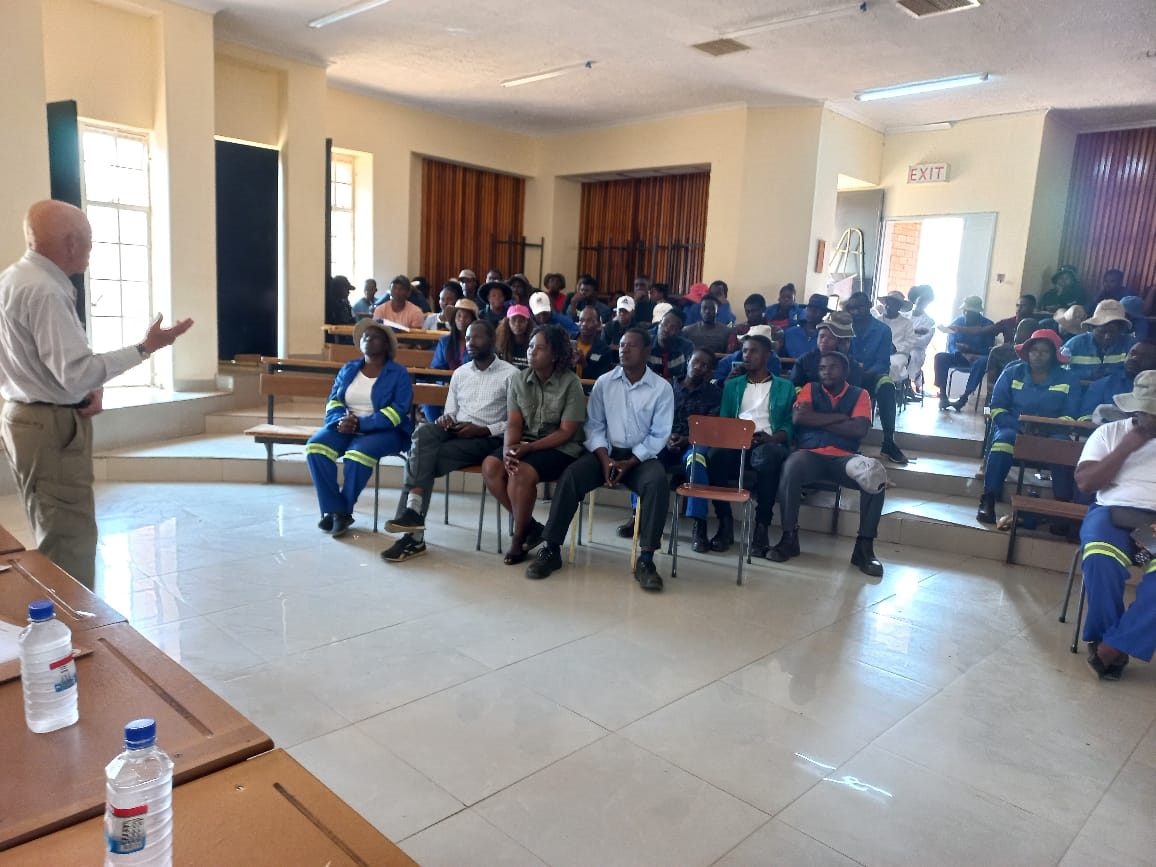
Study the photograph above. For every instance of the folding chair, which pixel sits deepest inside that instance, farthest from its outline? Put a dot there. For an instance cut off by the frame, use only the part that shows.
(724, 433)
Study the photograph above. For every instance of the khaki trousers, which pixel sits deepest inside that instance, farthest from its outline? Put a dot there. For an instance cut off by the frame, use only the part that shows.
(50, 451)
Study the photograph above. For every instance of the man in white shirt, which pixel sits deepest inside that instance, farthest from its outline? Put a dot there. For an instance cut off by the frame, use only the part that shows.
(903, 339)
(52, 384)
(1118, 464)
(471, 426)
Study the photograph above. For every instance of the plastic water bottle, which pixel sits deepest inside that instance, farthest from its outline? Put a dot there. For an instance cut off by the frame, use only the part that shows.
(47, 670)
(138, 815)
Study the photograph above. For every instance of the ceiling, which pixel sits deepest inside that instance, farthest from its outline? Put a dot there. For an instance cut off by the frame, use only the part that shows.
(1095, 60)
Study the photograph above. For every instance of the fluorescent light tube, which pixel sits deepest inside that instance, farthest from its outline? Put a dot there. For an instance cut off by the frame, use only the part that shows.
(347, 12)
(920, 127)
(798, 18)
(547, 74)
(921, 87)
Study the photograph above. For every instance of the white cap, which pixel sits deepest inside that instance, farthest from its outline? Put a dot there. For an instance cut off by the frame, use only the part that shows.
(660, 310)
(539, 303)
(625, 303)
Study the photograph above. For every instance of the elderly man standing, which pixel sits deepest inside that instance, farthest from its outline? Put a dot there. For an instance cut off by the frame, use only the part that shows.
(628, 423)
(1118, 464)
(52, 384)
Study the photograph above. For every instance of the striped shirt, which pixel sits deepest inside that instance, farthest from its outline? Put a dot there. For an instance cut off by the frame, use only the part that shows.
(479, 396)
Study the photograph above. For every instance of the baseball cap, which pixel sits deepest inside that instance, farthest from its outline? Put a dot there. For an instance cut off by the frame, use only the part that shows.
(540, 303)
(625, 303)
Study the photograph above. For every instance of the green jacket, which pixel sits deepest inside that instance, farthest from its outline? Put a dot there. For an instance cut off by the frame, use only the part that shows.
(782, 403)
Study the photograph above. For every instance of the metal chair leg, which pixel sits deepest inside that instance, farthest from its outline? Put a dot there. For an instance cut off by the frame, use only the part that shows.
(1071, 581)
(498, 523)
(670, 541)
(482, 519)
(590, 527)
(1079, 620)
(1011, 540)
(376, 493)
(835, 511)
(446, 499)
(745, 547)
(634, 541)
(674, 539)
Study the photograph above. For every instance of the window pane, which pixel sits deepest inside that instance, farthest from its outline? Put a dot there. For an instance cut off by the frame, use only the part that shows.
(132, 153)
(106, 333)
(99, 147)
(134, 227)
(134, 263)
(104, 224)
(343, 171)
(105, 297)
(104, 264)
(136, 297)
(99, 182)
(343, 197)
(132, 187)
(342, 225)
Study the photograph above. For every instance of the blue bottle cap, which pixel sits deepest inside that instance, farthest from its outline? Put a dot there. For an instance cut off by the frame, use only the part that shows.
(40, 610)
(140, 733)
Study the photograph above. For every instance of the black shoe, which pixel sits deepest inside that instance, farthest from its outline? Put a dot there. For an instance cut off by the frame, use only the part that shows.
(403, 549)
(325, 525)
(408, 521)
(626, 530)
(724, 537)
(647, 576)
(944, 406)
(699, 543)
(787, 548)
(893, 453)
(864, 557)
(760, 543)
(986, 513)
(548, 561)
(961, 403)
(534, 535)
(342, 521)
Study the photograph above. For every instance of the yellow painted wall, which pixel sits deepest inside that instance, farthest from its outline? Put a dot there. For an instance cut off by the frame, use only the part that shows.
(248, 101)
(103, 57)
(993, 164)
(1049, 204)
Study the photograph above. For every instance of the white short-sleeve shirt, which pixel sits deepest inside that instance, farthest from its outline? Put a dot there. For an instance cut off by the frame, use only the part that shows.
(1135, 484)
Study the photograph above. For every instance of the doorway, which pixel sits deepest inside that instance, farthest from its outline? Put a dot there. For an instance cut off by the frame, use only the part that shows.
(247, 266)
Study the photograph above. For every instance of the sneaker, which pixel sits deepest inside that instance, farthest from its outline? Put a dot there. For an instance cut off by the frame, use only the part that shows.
(325, 525)
(867, 473)
(646, 574)
(408, 521)
(893, 453)
(548, 561)
(403, 549)
(342, 521)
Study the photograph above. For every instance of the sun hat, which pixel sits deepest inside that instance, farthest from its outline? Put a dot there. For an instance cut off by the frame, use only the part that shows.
(1142, 398)
(540, 303)
(484, 289)
(365, 324)
(1042, 334)
(1071, 319)
(518, 310)
(464, 304)
(972, 304)
(1107, 311)
(763, 333)
(838, 322)
(625, 303)
(896, 295)
(467, 273)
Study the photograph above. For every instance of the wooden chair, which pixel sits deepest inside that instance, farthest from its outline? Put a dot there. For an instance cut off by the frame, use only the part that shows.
(724, 433)
(1038, 451)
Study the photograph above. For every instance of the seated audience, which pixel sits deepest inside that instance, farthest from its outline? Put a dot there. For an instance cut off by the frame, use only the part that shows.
(544, 314)
(903, 339)
(1118, 465)
(364, 305)
(366, 418)
(420, 294)
(1065, 291)
(831, 417)
(498, 296)
(470, 429)
(757, 395)
(800, 339)
(1036, 385)
(622, 449)
(1104, 345)
(513, 336)
(833, 335)
(924, 327)
(1005, 353)
(440, 321)
(520, 285)
(671, 352)
(554, 285)
(545, 409)
(1112, 287)
(786, 313)
(468, 280)
(398, 308)
(337, 308)
(720, 291)
(964, 352)
(871, 347)
(1134, 309)
(643, 305)
(450, 351)
(624, 310)
(586, 293)
(708, 333)
(1101, 393)
(592, 356)
(493, 276)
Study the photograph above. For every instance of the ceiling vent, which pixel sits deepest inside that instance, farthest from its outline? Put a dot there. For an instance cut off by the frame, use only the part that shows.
(927, 8)
(719, 47)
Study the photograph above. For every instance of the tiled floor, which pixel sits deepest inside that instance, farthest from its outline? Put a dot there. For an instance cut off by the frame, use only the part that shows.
(812, 716)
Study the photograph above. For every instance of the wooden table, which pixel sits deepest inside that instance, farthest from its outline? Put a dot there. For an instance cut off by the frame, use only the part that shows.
(18, 587)
(8, 542)
(268, 810)
(54, 780)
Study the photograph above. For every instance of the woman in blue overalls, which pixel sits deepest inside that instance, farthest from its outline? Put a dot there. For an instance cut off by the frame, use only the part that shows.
(1036, 385)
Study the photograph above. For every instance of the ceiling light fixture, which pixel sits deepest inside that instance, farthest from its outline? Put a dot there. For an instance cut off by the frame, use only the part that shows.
(920, 127)
(797, 18)
(916, 87)
(347, 12)
(549, 73)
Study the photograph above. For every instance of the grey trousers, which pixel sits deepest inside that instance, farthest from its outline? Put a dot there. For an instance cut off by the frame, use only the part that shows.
(50, 451)
(433, 452)
(804, 467)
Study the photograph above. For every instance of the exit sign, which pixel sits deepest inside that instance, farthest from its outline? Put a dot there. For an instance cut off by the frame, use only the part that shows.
(928, 173)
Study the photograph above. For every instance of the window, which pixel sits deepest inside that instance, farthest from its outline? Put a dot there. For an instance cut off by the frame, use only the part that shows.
(116, 199)
(342, 233)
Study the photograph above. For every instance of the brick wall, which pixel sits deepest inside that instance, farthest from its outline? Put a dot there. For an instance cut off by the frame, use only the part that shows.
(904, 255)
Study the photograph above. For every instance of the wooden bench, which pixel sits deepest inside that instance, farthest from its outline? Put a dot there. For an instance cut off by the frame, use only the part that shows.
(407, 356)
(1041, 451)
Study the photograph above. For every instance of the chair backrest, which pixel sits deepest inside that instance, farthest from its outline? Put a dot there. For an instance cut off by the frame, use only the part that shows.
(1036, 451)
(722, 433)
(407, 357)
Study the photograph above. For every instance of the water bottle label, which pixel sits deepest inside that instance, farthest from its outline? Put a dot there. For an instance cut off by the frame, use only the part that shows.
(126, 829)
(64, 673)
